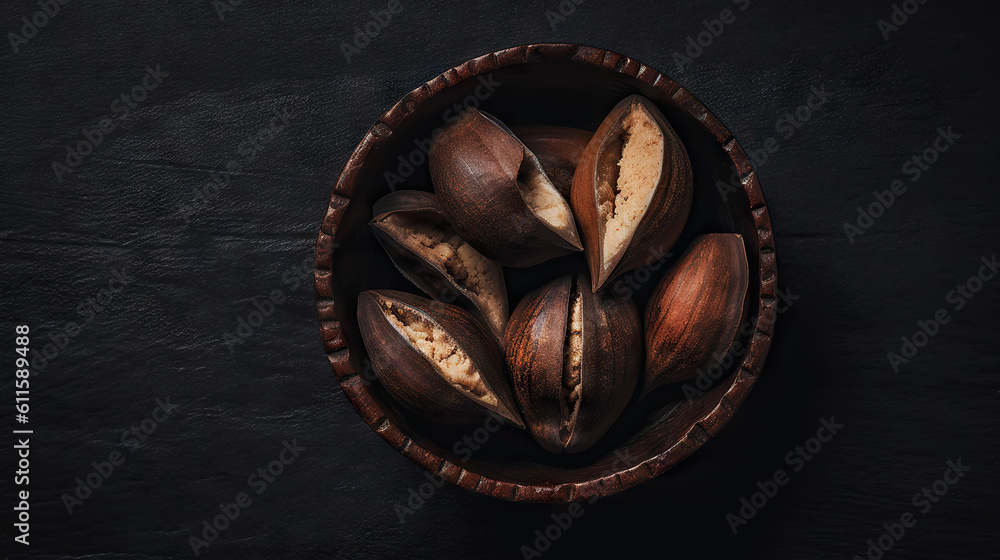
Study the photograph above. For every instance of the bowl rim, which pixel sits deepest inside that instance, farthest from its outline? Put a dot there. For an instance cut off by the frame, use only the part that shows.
(354, 384)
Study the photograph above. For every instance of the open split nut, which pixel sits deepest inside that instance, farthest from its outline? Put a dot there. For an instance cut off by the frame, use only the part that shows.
(428, 251)
(496, 194)
(574, 359)
(632, 190)
(435, 358)
(558, 149)
(567, 361)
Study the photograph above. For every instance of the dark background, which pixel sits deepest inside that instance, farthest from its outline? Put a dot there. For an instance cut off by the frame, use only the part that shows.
(161, 336)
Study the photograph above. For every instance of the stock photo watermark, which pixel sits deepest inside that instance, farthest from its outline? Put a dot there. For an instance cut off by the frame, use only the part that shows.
(59, 339)
(31, 25)
(258, 481)
(131, 439)
(264, 305)
(914, 168)
(557, 14)
(924, 500)
(796, 459)
(697, 43)
(561, 523)
(899, 16)
(248, 150)
(958, 297)
(787, 126)
(464, 448)
(121, 108)
(365, 33)
(627, 283)
(720, 364)
(419, 155)
(223, 7)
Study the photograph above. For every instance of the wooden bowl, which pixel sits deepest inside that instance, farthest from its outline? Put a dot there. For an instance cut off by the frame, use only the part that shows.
(546, 84)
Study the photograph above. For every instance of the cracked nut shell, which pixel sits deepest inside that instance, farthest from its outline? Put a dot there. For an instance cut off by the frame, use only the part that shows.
(497, 196)
(574, 359)
(428, 251)
(435, 358)
(632, 190)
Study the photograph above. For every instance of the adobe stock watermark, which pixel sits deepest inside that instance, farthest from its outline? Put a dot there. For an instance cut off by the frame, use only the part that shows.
(418, 156)
(223, 7)
(796, 459)
(59, 339)
(914, 167)
(924, 500)
(627, 283)
(131, 439)
(557, 14)
(787, 126)
(720, 364)
(899, 16)
(697, 43)
(248, 151)
(464, 448)
(563, 522)
(369, 30)
(292, 279)
(37, 21)
(258, 481)
(959, 297)
(420, 494)
(367, 373)
(121, 108)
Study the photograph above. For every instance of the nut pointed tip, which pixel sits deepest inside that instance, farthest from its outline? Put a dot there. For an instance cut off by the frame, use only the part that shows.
(598, 277)
(514, 418)
(646, 390)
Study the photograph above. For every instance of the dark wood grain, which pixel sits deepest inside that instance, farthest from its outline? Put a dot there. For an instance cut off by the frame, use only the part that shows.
(841, 303)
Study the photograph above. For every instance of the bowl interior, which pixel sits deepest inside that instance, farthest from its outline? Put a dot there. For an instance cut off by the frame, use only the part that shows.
(551, 92)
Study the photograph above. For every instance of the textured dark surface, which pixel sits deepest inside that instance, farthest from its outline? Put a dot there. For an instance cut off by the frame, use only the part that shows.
(162, 335)
(654, 434)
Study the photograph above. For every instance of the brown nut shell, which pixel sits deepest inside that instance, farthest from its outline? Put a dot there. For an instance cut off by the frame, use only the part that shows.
(574, 359)
(428, 251)
(497, 196)
(632, 190)
(414, 343)
(694, 313)
(558, 149)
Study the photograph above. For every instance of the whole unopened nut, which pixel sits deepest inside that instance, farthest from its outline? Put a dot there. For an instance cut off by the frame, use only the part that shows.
(694, 313)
